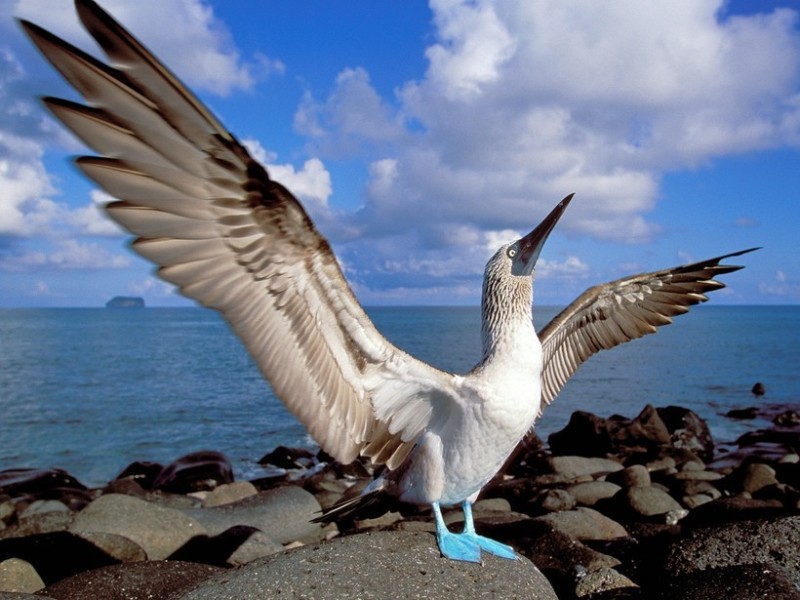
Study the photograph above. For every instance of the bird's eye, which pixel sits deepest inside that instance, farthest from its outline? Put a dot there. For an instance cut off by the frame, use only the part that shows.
(511, 252)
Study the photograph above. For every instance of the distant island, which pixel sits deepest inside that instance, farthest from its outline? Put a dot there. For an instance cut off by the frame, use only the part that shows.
(125, 302)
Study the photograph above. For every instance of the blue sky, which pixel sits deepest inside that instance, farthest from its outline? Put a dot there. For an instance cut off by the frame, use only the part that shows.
(420, 137)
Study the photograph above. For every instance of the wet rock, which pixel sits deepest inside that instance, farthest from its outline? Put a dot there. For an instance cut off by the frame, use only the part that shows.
(646, 430)
(37, 483)
(378, 564)
(775, 543)
(283, 513)
(788, 418)
(159, 531)
(19, 576)
(36, 524)
(202, 470)
(742, 413)
(151, 580)
(688, 431)
(143, 473)
(229, 492)
(585, 524)
(758, 389)
(584, 435)
(288, 458)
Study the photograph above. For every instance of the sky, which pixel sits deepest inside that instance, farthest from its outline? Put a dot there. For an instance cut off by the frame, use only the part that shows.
(420, 137)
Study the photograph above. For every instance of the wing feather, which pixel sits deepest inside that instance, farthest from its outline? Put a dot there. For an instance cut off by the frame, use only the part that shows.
(235, 240)
(607, 315)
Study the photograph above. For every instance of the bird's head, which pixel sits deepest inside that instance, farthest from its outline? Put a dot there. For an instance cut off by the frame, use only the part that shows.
(519, 258)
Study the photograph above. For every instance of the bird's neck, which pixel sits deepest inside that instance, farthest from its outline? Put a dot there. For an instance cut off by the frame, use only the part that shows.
(507, 320)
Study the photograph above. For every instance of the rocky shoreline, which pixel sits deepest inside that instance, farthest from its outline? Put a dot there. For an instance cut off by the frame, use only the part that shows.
(609, 508)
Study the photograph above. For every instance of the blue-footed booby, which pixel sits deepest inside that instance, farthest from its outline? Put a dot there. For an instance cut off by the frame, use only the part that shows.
(230, 237)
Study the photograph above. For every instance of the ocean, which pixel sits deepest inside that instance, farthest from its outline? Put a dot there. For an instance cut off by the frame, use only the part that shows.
(92, 390)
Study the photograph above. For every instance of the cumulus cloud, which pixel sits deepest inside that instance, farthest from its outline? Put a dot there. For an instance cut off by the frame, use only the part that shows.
(524, 102)
(203, 55)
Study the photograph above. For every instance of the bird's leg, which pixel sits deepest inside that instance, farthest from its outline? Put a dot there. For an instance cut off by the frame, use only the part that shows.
(492, 547)
(452, 545)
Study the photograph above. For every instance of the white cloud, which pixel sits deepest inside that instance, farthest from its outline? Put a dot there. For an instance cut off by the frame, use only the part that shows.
(782, 286)
(66, 254)
(203, 55)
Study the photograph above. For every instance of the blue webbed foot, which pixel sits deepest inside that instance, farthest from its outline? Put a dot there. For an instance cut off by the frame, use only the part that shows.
(455, 546)
(491, 546)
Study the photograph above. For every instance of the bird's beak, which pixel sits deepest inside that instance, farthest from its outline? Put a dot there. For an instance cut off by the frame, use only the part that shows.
(529, 247)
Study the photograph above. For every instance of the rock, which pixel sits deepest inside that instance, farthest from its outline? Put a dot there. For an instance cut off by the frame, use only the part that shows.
(602, 580)
(749, 478)
(737, 508)
(202, 470)
(742, 413)
(159, 531)
(633, 476)
(229, 492)
(584, 435)
(258, 545)
(150, 580)
(646, 501)
(35, 482)
(688, 431)
(219, 549)
(117, 547)
(41, 523)
(585, 524)
(758, 389)
(288, 458)
(743, 582)
(39, 507)
(142, 472)
(19, 576)
(490, 505)
(379, 564)
(788, 418)
(554, 500)
(646, 430)
(283, 513)
(55, 555)
(573, 467)
(590, 493)
(775, 543)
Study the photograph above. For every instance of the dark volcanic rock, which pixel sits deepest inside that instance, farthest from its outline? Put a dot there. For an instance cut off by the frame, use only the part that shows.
(379, 564)
(742, 413)
(584, 435)
(688, 431)
(742, 582)
(151, 580)
(37, 483)
(142, 472)
(202, 470)
(775, 543)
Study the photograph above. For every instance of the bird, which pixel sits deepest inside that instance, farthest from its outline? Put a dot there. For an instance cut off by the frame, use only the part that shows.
(233, 239)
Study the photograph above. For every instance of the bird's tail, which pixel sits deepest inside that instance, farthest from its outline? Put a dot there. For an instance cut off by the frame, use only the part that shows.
(352, 506)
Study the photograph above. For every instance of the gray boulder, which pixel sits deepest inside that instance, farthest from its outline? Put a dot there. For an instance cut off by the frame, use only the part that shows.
(158, 530)
(283, 513)
(372, 565)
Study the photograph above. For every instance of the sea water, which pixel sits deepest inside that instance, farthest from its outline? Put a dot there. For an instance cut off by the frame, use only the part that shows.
(91, 390)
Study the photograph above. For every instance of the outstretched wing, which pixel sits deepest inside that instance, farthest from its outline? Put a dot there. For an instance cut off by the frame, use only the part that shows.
(607, 315)
(235, 240)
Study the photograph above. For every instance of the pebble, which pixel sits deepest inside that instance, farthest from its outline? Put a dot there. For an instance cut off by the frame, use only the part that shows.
(228, 493)
(602, 580)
